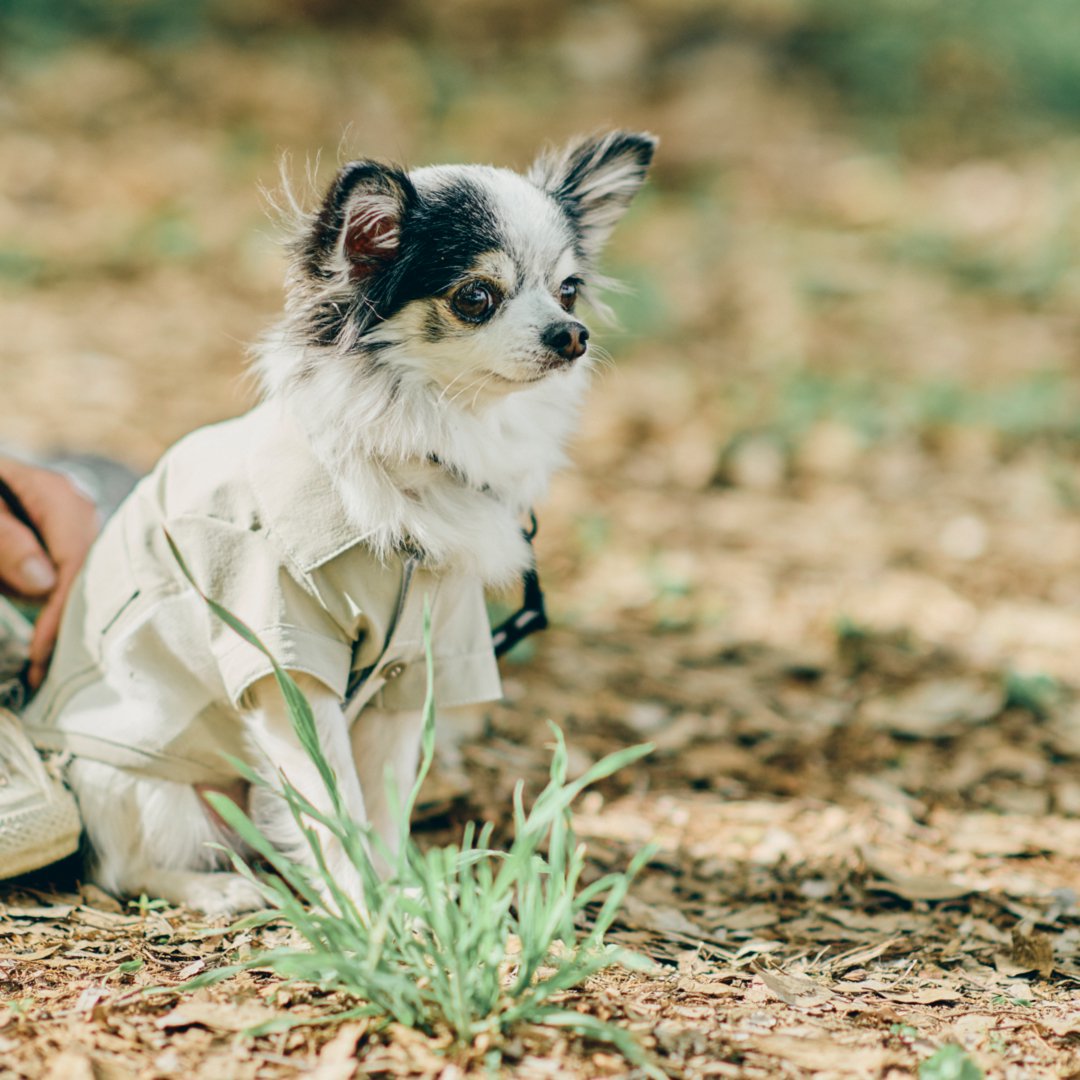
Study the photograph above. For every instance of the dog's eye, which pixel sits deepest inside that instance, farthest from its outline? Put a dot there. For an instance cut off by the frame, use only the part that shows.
(568, 291)
(475, 301)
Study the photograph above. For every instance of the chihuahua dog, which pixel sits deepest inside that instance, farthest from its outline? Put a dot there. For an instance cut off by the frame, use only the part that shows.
(418, 394)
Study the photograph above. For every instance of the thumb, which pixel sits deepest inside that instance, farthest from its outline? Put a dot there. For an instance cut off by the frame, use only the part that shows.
(24, 566)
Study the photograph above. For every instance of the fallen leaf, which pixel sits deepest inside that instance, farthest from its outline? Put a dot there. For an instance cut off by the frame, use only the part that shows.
(795, 989)
(337, 1059)
(71, 1065)
(931, 709)
(861, 956)
(708, 987)
(40, 911)
(98, 898)
(661, 919)
(928, 995)
(1032, 951)
(215, 1015)
(823, 1054)
(915, 886)
(1062, 1027)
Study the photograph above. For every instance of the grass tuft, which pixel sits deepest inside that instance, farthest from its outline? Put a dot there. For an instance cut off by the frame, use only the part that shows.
(462, 937)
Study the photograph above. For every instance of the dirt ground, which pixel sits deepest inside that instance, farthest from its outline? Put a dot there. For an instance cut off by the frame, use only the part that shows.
(820, 544)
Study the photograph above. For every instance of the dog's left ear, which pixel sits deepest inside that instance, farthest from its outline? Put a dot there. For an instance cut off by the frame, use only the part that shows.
(594, 179)
(358, 227)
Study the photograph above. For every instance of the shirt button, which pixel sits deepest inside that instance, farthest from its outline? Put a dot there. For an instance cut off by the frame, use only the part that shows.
(394, 670)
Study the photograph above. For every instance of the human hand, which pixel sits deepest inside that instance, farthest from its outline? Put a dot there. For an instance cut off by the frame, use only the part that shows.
(67, 522)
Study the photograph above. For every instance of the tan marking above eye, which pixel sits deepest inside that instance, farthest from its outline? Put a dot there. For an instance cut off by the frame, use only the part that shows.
(498, 268)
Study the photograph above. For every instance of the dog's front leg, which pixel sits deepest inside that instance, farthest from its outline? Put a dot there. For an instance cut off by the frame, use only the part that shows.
(276, 745)
(387, 745)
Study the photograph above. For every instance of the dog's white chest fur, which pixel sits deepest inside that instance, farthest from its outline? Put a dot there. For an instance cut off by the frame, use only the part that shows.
(414, 470)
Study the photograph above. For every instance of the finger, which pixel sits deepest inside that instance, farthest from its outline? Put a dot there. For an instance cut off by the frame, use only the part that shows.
(46, 628)
(24, 566)
(65, 518)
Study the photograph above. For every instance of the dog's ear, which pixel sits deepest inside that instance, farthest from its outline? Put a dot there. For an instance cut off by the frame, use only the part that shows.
(359, 224)
(594, 179)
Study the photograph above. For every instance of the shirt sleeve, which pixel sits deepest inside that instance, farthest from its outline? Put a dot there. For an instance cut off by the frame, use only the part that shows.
(245, 574)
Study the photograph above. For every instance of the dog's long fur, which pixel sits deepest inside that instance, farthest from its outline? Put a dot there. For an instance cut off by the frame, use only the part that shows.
(439, 429)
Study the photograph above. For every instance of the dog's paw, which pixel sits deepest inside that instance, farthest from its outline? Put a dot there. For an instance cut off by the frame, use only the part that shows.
(222, 894)
(348, 884)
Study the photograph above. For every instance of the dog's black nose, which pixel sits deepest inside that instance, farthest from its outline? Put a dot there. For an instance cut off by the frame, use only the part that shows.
(568, 339)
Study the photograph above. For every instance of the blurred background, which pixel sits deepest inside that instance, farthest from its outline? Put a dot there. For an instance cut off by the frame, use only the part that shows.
(845, 394)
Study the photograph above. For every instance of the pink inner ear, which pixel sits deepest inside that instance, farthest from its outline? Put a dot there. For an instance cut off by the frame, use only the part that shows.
(371, 234)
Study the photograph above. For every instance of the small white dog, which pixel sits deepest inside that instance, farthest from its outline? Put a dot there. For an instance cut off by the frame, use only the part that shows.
(418, 395)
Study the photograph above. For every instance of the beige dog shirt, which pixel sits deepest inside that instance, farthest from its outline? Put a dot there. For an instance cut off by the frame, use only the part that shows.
(146, 677)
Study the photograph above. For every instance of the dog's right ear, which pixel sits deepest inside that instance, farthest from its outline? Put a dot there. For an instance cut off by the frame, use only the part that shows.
(358, 227)
(594, 179)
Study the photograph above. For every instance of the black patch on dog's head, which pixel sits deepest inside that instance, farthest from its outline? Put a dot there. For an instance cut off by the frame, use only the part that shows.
(443, 234)
(396, 245)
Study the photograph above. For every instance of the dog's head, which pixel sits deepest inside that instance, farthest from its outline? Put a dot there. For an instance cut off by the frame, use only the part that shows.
(463, 276)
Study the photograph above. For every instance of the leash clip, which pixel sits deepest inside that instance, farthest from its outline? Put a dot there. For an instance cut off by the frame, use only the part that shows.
(531, 617)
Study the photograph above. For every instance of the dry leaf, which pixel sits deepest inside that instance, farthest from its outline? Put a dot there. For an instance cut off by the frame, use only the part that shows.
(661, 919)
(98, 898)
(216, 1015)
(40, 911)
(1032, 951)
(928, 995)
(823, 1055)
(708, 987)
(337, 1059)
(938, 707)
(795, 989)
(915, 886)
(1063, 1027)
(71, 1065)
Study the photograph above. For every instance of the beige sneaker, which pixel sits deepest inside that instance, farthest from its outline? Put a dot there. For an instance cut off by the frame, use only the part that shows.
(39, 821)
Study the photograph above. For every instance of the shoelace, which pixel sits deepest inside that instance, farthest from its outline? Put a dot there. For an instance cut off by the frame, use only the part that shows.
(19, 758)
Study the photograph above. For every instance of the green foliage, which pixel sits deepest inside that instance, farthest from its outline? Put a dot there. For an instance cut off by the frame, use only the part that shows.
(20, 267)
(950, 1063)
(1032, 281)
(1011, 1002)
(461, 936)
(1044, 405)
(53, 23)
(1036, 693)
(902, 57)
(144, 905)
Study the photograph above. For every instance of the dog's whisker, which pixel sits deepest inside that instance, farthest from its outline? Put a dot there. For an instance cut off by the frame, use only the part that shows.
(483, 377)
(601, 356)
(446, 389)
(483, 382)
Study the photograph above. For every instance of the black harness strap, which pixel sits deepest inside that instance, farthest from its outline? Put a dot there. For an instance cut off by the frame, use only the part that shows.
(531, 616)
